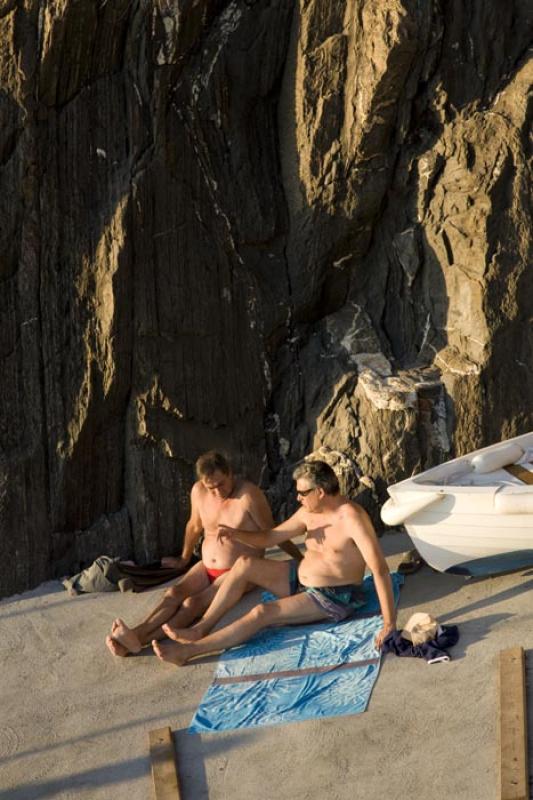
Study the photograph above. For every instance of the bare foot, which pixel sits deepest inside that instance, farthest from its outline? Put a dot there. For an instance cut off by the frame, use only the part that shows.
(115, 647)
(126, 637)
(181, 634)
(172, 653)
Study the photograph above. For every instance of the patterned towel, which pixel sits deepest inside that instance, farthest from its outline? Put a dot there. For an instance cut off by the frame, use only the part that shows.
(296, 673)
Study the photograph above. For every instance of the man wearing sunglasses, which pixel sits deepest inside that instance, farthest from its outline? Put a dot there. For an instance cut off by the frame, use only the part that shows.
(326, 584)
(218, 497)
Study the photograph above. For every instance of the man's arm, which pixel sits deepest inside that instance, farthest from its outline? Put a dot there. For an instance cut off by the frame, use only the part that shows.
(258, 508)
(193, 531)
(366, 540)
(294, 526)
(260, 512)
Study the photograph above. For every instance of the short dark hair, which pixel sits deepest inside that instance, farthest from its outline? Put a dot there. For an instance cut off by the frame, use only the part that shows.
(319, 474)
(209, 463)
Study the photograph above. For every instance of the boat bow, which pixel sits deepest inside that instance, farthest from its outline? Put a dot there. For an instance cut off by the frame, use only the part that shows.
(396, 512)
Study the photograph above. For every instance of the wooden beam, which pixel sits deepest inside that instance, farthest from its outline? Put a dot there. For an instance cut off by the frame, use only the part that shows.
(163, 760)
(523, 474)
(513, 726)
(291, 549)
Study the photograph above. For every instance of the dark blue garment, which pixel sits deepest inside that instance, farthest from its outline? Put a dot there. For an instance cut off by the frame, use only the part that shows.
(433, 649)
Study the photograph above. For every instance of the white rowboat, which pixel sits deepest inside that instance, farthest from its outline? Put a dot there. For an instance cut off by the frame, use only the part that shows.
(472, 515)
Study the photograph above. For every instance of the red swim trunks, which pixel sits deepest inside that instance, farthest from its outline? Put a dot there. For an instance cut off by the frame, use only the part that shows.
(213, 574)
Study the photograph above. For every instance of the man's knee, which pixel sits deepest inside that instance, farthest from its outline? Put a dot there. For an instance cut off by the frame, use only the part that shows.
(265, 613)
(174, 594)
(193, 604)
(245, 564)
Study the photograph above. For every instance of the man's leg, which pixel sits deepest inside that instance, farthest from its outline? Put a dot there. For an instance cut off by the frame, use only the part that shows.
(191, 608)
(133, 639)
(247, 571)
(295, 610)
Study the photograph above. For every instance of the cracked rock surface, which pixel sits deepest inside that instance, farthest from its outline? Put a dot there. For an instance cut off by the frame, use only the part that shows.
(273, 227)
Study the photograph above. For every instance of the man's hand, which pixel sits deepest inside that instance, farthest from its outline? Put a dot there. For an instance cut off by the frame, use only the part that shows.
(389, 627)
(225, 532)
(174, 563)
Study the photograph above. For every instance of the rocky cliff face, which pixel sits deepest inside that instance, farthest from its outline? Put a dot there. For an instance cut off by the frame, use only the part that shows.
(269, 227)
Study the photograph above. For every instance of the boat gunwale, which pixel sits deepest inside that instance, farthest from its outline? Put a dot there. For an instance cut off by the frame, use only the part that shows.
(445, 489)
(414, 484)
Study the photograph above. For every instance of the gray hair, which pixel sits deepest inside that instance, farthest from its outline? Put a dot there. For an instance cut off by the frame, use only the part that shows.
(319, 474)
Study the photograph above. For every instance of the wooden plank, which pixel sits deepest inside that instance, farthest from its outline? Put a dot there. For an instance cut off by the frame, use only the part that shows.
(520, 472)
(513, 726)
(163, 760)
(291, 549)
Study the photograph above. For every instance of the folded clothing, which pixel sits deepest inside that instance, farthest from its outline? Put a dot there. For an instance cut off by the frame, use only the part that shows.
(433, 651)
(108, 574)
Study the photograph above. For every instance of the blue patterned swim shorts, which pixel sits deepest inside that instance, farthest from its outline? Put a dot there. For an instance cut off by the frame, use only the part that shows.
(339, 602)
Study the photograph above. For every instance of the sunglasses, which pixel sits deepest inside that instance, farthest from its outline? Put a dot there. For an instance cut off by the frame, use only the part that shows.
(305, 493)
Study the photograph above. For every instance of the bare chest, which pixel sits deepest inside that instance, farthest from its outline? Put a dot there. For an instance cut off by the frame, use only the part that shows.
(231, 512)
(325, 540)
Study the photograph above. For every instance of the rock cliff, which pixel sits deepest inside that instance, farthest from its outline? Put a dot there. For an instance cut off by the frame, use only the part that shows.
(267, 226)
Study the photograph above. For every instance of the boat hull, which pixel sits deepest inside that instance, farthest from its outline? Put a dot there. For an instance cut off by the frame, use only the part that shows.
(461, 546)
(476, 530)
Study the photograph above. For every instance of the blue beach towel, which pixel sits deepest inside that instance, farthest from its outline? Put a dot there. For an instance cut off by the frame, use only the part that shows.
(296, 673)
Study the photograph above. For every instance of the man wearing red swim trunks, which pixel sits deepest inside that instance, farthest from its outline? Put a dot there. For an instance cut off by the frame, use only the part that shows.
(326, 584)
(217, 498)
